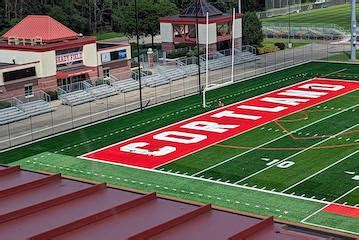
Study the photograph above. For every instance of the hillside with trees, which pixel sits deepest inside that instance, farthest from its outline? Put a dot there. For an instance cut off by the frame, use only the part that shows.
(93, 16)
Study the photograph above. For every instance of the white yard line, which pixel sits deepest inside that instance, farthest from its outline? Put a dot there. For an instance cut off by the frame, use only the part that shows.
(342, 70)
(297, 153)
(273, 140)
(324, 169)
(311, 215)
(331, 228)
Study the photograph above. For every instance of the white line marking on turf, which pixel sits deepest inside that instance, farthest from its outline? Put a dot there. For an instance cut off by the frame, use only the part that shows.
(297, 153)
(207, 180)
(273, 140)
(324, 169)
(319, 210)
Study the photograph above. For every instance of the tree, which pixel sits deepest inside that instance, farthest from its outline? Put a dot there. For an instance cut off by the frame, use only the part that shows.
(149, 12)
(252, 29)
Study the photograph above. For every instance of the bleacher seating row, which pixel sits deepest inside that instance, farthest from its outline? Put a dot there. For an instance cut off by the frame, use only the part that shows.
(226, 61)
(279, 31)
(90, 94)
(192, 69)
(102, 91)
(23, 111)
(162, 78)
(127, 85)
(76, 98)
(37, 107)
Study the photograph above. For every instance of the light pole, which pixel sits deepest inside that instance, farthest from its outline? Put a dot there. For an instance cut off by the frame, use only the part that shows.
(138, 55)
(289, 26)
(354, 32)
(198, 45)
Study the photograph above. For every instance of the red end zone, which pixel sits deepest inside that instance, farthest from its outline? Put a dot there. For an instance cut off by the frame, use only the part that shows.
(175, 141)
(342, 210)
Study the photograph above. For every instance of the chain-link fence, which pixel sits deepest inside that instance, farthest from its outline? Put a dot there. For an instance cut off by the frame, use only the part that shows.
(65, 117)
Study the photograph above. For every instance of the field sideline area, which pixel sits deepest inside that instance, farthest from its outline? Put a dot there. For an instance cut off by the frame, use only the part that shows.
(302, 167)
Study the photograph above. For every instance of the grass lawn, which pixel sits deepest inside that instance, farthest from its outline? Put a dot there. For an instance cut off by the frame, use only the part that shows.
(59, 154)
(339, 15)
(296, 42)
(108, 35)
(342, 57)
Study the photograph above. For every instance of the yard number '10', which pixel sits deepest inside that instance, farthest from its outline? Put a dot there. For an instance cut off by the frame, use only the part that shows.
(285, 164)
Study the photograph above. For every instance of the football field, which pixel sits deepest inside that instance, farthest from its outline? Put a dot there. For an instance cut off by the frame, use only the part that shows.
(294, 157)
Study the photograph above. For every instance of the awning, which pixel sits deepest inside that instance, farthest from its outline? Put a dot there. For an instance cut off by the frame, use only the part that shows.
(76, 71)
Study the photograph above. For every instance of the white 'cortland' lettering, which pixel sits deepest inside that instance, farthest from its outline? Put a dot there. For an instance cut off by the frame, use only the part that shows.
(235, 115)
(285, 101)
(209, 126)
(263, 109)
(180, 137)
(137, 148)
(322, 87)
(301, 93)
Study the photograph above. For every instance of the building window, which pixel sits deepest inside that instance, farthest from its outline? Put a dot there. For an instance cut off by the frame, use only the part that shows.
(19, 74)
(28, 91)
(106, 73)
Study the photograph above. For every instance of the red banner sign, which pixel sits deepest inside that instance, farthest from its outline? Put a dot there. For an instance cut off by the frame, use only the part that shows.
(68, 58)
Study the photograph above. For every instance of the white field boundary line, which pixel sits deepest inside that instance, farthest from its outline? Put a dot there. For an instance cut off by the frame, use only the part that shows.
(321, 209)
(224, 183)
(273, 140)
(210, 181)
(329, 74)
(151, 106)
(324, 169)
(297, 153)
(331, 228)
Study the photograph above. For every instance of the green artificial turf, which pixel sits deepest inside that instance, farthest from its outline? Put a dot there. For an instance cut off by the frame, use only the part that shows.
(339, 15)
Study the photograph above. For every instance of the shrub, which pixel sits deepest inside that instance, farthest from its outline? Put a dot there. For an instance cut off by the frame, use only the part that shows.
(100, 82)
(183, 45)
(176, 54)
(280, 45)
(268, 48)
(53, 95)
(4, 105)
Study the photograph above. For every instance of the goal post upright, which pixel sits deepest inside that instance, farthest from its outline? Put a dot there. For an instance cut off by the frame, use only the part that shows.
(233, 44)
(206, 86)
(207, 53)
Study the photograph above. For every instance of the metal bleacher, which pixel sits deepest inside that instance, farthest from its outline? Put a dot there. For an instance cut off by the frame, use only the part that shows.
(127, 85)
(155, 80)
(24, 110)
(192, 69)
(102, 91)
(11, 114)
(226, 61)
(34, 108)
(174, 74)
(76, 98)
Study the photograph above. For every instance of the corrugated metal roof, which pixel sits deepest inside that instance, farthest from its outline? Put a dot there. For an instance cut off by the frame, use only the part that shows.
(40, 206)
(45, 27)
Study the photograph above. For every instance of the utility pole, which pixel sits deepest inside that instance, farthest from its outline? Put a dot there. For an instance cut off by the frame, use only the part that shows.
(198, 45)
(138, 55)
(354, 32)
(289, 26)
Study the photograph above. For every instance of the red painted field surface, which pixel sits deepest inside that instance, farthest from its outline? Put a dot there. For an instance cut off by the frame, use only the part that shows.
(342, 210)
(178, 140)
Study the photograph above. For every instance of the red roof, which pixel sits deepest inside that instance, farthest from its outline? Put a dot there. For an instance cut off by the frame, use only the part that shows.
(41, 206)
(41, 26)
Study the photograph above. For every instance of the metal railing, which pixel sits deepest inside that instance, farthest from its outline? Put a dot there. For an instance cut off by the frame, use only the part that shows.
(69, 117)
